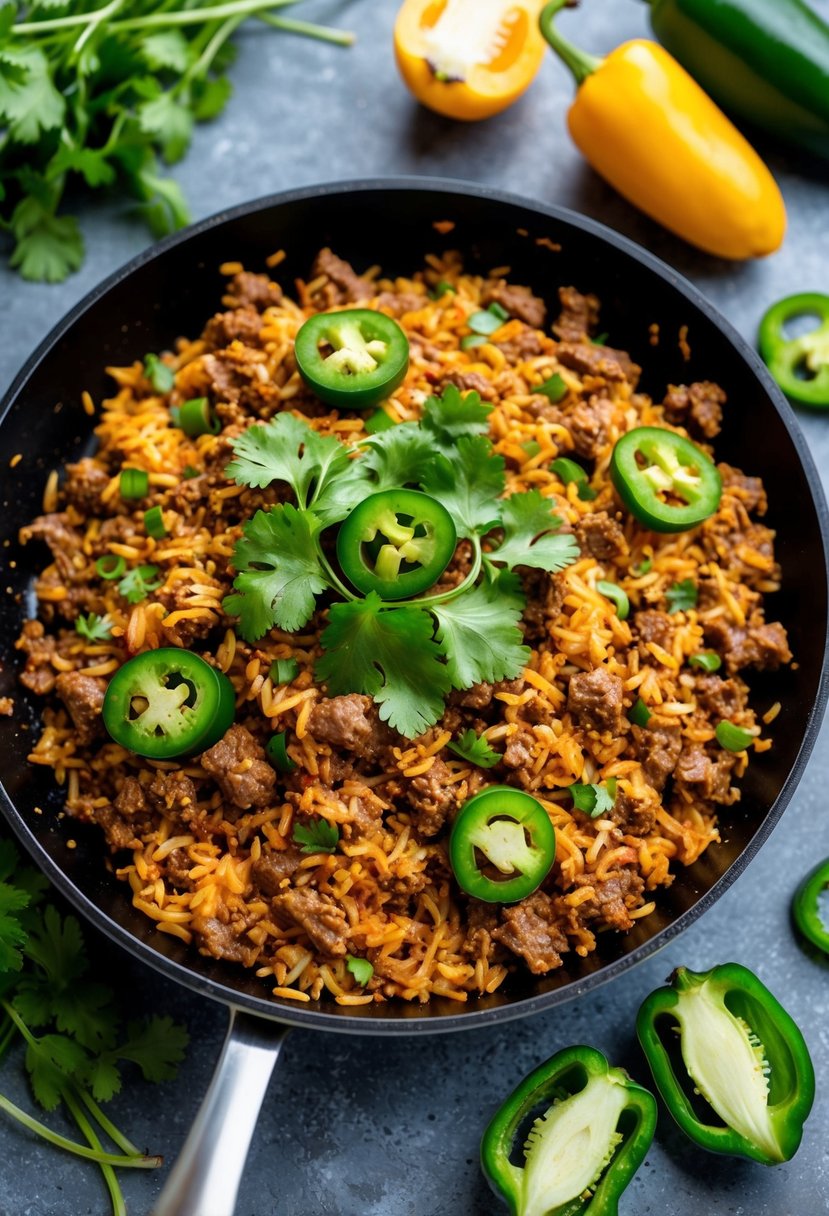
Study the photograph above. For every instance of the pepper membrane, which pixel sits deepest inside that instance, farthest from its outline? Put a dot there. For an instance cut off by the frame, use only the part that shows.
(353, 358)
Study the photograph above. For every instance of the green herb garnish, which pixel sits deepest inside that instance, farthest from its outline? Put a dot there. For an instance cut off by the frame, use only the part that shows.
(614, 593)
(682, 596)
(639, 713)
(475, 749)
(93, 627)
(282, 671)
(160, 376)
(732, 737)
(407, 655)
(137, 583)
(594, 800)
(360, 968)
(553, 389)
(643, 567)
(487, 320)
(707, 660)
(567, 470)
(317, 836)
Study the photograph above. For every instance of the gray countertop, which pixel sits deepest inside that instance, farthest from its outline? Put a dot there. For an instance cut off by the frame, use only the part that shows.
(391, 1127)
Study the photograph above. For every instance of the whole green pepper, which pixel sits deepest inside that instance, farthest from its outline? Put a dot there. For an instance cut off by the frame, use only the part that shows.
(742, 1053)
(583, 1150)
(765, 61)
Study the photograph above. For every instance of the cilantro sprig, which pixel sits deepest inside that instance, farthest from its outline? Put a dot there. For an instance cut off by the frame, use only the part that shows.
(93, 627)
(316, 836)
(95, 95)
(407, 655)
(475, 749)
(74, 1039)
(594, 800)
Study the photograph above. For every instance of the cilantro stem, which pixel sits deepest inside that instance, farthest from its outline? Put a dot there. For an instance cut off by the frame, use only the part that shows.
(310, 29)
(471, 578)
(119, 1207)
(332, 576)
(71, 1146)
(191, 16)
(7, 1036)
(114, 1133)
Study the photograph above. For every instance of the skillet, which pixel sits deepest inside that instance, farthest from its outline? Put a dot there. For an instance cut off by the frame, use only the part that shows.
(170, 290)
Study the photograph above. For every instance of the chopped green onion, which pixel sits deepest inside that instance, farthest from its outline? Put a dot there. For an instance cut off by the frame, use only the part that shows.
(733, 738)
(707, 660)
(554, 389)
(377, 422)
(277, 749)
(160, 376)
(360, 968)
(194, 418)
(283, 671)
(487, 320)
(498, 310)
(615, 593)
(110, 565)
(441, 289)
(133, 483)
(643, 567)
(532, 447)
(639, 713)
(471, 341)
(189, 472)
(93, 627)
(567, 470)
(137, 583)
(154, 523)
(600, 339)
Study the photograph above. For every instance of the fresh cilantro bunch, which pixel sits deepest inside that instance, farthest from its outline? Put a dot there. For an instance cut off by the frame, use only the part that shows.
(95, 93)
(75, 1042)
(407, 654)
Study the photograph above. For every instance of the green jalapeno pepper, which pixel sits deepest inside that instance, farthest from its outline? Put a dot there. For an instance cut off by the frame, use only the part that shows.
(799, 365)
(664, 479)
(168, 702)
(397, 543)
(806, 907)
(352, 359)
(583, 1150)
(742, 1053)
(502, 845)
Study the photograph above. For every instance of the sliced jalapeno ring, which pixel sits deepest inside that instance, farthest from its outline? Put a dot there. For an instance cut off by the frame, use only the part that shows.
(397, 543)
(168, 702)
(799, 365)
(664, 479)
(352, 359)
(502, 845)
(806, 906)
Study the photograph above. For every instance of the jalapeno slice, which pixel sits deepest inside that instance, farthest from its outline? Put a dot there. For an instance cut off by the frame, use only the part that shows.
(397, 543)
(168, 703)
(352, 359)
(664, 479)
(502, 845)
(799, 365)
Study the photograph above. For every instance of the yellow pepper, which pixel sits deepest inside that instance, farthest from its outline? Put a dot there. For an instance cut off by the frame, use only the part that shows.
(650, 130)
(468, 59)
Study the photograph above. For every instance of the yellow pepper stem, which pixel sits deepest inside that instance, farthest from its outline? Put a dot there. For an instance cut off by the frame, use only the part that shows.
(579, 62)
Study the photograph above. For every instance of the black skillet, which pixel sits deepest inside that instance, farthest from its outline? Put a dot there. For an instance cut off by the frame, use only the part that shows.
(170, 291)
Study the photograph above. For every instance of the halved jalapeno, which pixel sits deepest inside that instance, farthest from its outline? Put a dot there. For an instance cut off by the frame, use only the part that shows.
(397, 543)
(352, 359)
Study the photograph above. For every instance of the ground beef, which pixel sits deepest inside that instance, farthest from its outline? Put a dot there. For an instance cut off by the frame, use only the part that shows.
(247, 290)
(654, 626)
(39, 647)
(545, 594)
(579, 315)
(344, 285)
(616, 895)
(711, 776)
(479, 696)
(634, 816)
(62, 537)
(723, 698)
(529, 929)
(431, 797)
(695, 406)
(238, 763)
(271, 869)
(595, 699)
(131, 799)
(84, 482)
(482, 920)
(118, 832)
(396, 304)
(518, 753)
(658, 749)
(240, 324)
(221, 940)
(750, 490)
(760, 644)
(174, 796)
(589, 425)
(601, 361)
(83, 696)
(601, 536)
(525, 344)
(233, 376)
(323, 922)
(177, 869)
(350, 723)
(518, 301)
(472, 381)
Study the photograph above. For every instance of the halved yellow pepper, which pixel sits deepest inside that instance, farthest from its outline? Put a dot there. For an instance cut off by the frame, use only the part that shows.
(468, 59)
(648, 128)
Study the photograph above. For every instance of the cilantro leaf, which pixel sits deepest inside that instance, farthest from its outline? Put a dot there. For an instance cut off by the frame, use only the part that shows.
(91, 163)
(594, 800)
(29, 101)
(451, 415)
(682, 596)
(93, 627)
(475, 749)
(169, 122)
(52, 1060)
(160, 375)
(479, 632)
(468, 484)
(531, 536)
(48, 247)
(397, 456)
(317, 836)
(12, 932)
(389, 654)
(209, 97)
(167, 49)
(279, 572)
(360, 968)
(156, 1045)
(137, 583)
(316, 467)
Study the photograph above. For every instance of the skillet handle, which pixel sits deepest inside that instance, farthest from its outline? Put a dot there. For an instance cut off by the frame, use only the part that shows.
(205, 1179)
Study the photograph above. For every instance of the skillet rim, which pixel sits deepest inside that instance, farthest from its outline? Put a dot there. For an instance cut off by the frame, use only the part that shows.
(403, 1021)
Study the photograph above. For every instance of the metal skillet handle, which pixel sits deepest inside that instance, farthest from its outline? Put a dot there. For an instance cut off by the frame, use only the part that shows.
(205, 1179)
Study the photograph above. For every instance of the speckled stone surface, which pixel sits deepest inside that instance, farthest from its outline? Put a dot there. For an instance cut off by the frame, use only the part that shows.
(391, 1128)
